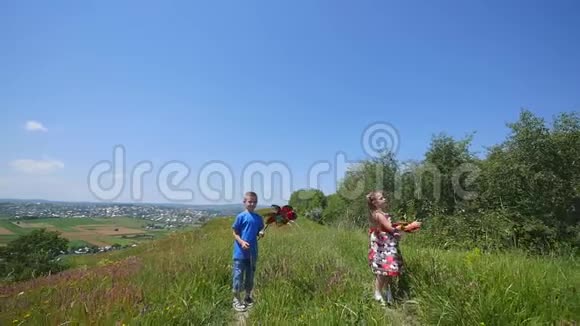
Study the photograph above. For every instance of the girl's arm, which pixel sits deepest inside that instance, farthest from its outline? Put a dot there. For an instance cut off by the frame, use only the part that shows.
(408, 227)
(386, 223)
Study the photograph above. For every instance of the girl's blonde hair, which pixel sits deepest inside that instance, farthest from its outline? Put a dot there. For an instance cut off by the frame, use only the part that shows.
(371, 197)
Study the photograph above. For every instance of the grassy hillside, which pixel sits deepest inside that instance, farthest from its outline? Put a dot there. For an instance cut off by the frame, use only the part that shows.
(306, 275)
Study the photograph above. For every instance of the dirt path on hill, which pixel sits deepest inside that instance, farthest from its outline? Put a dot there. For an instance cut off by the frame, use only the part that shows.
(240, 319)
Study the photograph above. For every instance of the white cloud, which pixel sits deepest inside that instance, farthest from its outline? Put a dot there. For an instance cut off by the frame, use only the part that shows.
(32, 125)
(51, 187)
(36, 166)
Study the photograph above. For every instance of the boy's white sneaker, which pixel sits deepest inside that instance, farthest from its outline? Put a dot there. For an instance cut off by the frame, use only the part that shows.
(248, 301)
(239, 306)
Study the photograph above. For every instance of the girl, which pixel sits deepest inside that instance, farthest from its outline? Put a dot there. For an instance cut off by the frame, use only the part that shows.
(384, 258)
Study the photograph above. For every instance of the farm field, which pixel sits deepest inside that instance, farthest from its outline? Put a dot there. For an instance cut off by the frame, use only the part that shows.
(84, 231)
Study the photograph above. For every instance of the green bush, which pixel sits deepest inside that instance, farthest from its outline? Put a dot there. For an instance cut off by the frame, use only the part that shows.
(524, 194)
(32, 255)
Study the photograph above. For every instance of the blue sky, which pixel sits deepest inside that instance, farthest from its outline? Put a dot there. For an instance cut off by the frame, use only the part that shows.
(240, 82)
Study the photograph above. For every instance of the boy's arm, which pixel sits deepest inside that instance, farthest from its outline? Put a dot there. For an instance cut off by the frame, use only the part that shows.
(262, 228)
(242, 243)
(236, 233)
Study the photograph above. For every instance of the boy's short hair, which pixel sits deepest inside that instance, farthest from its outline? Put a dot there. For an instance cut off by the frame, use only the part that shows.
(250, 194)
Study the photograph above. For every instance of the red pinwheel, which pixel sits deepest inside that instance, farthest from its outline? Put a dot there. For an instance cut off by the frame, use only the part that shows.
(280, 215)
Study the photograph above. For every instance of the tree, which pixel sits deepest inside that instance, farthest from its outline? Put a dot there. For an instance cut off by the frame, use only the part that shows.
(410, 189)
(527, 186)
(535, 176)
(445, 157)
(305, 200)
(379, 173)
(336, 208)
(32, 255)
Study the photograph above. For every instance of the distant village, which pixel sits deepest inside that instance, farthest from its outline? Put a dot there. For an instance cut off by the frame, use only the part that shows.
(159, 214)
(162, 216)
(95, 249)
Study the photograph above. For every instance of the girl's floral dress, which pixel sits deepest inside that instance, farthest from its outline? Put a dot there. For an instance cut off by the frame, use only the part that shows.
(383, 255)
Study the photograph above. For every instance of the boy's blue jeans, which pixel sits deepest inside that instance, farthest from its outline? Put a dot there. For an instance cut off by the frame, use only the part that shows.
(244, 270)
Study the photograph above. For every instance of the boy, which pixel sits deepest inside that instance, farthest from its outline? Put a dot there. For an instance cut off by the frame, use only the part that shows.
(247, 228)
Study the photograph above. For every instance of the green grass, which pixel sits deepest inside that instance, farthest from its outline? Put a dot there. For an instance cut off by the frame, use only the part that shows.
(78, 243)
(65, 224)
(307, 275)
(129, 222)
(69, 224)
(134, 238)
(5, 238)
(7, 224)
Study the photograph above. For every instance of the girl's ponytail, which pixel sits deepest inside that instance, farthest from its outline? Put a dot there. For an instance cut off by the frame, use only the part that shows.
(371, 197)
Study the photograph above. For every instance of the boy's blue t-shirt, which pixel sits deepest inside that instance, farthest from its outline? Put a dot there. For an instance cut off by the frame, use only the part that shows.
(247, 225)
